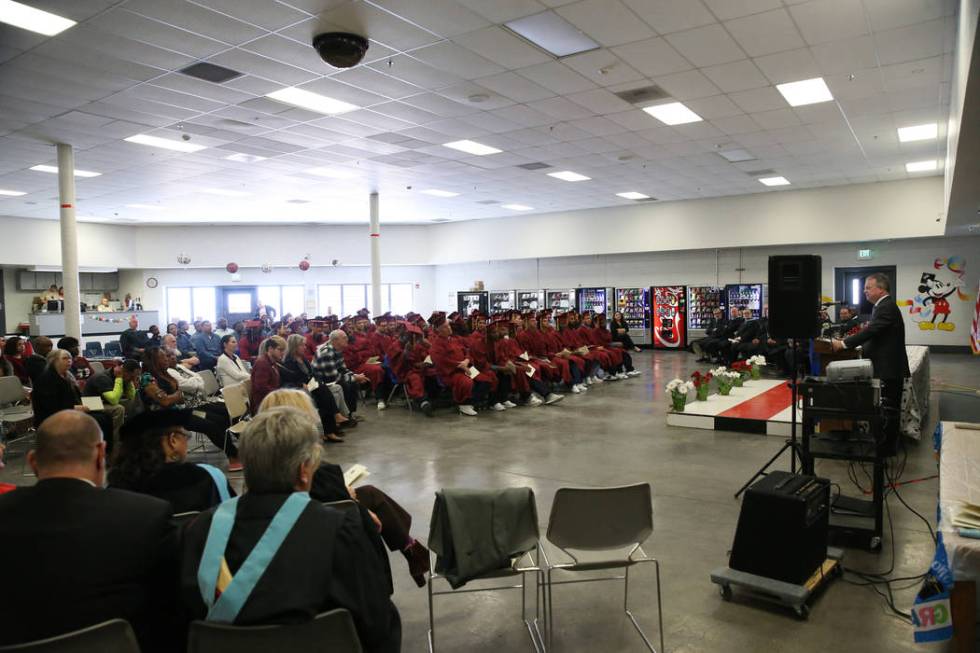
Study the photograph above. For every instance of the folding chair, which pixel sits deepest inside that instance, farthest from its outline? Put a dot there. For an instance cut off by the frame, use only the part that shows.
(211, 386)
(236, 403)
(113, 349)
(597, 529)
(93, 349)
(511, 571)
(345, 505)
(330, 632)
(182, 518)
(396, 385)
(14, 413)
(114, 635)
(97, 367)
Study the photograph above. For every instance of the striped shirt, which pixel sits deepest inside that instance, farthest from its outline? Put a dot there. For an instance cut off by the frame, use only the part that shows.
(328, 365)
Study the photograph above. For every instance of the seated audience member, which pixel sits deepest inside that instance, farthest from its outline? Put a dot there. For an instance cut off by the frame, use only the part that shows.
(266, 370)
(248, 344)
(132, 341)
(451, 358)
(117, 389)
(6, 369)
(747, 338)
(160, 390)
(230, 368)
(81, 369)
(104, 306)
(13, 352)
(621, 332)
(80, 555)
(316, 559)
(152, 460)
(604, 337)
(221, 328)
(718, 348)
(407, 360)
(56, 390)
(329, 367)
(169, 342)
(296, 373)
(849, 321)
(207, 346)
(172, 329)
(184, 343)
(37, 361)
(363, 357)
(153, 336)
(714, 330)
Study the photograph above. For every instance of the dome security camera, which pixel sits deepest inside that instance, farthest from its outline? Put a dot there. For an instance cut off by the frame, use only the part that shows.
(341, 49)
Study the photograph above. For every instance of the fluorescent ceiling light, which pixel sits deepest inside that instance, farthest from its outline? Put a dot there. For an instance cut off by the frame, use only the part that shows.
(920, 166)
(552, 33)
(439, 193)
(332, 173)
(148, 207)
(165, 143)
(568, 175)
(807, 91)
(225, 193)
(246, 158)
(673, 113)
(918, 132)
(12, 193)
(633, 195)
(54, 170)
(736, 155)
(312, 101)
(35, 20)
(774, 181)
(517, 207)
(472, 147)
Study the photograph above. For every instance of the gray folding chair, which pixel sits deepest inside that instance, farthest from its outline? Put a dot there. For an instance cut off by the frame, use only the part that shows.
(182, 518)
(211, 386)
(531, 562)
(330, 632)
(113, 636)
(97, 367)
(598, 529)
(14, 414)
(236, 403)
(344, 506)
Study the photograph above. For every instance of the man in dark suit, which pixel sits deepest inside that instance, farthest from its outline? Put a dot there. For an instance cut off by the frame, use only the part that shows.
(84, 555)
(714, 329)
(747, 338)
(883, 342)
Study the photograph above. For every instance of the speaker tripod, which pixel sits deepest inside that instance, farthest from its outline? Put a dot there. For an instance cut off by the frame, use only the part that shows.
(792, 445)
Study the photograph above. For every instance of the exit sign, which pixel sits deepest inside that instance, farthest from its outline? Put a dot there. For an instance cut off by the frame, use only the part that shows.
(864, 254)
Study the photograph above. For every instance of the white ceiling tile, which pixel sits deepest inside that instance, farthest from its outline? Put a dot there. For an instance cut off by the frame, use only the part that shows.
(502, 47)
(736, 124)
(717, 106)
(451, 58)
(735, 76)
(602, 67)
(919, 41)
(515, 87)
(289, 51)
(376, 24)
(193, 18)
(609, 22)
(560, 108)
(371, 80)
(599, 101)
(687, 85)
(889, 14)
(126, 24)
(846, 55)
(822, 112)
(652, 57)
(268, 15)
(439, 105)
(830, 20)
(790, 66)
(523, 115)
(259, 66)
(405, 112)
(728, 9)
(765, 33)
(488, 121)
(344, 92)
(415, 72)
(776, 119)
(557, 77)
(598, 126)
(706, 46)
(470, 94)
(758, 99)
(666, 16)
(866, 83)
(502, 11)
(444, 17)
(633, 120)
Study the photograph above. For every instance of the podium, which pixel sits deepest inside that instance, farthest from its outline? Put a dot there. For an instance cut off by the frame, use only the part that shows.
(826, 354)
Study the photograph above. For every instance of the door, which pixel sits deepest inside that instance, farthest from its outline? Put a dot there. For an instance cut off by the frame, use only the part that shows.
(849, 286)
(237, 303)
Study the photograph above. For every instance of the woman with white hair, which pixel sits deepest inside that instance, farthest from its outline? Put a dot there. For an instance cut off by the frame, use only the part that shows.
(56, 390)
(274, 556)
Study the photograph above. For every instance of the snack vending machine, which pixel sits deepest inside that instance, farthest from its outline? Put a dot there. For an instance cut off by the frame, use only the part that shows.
(559, 300)
(597, 300)
(501, 300)
(701, 302)
(634, 304)
(530, 300)
(469, 300)
(744, 295)
(669, 310)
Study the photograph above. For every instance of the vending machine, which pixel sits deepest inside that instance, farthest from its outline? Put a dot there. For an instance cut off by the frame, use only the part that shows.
(469, 300)
(501, 300)
(701, 303)
(597, 300)
(634, 304)
(559, 300)
(530, 300)
(669, 311)
(744, 295)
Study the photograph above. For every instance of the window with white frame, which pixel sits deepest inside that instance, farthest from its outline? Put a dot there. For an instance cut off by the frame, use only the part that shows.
(269, 295)
(293, 300)
(328, 300)
(204, 304)
(179, 305)
(354, 298)
(347, 299)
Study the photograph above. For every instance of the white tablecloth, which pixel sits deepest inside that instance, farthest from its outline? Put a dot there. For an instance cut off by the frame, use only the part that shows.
(915, 398)
(959, 482)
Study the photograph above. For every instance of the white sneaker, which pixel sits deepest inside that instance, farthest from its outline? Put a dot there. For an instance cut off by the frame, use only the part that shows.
(588, 381)
(382, 405)
(509, 404)
(622, 375)
(596, 379)
(634, 373)
(466, 409)
(583, 387)
(553, 398)
(499, 407)
(611, 377)
(534, 401)
(576, 390)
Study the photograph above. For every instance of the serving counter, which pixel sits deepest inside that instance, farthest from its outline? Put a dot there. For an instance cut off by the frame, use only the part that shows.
(93, 323)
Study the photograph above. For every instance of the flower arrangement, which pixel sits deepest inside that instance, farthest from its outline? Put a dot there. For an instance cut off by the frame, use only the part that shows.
(702, 383)
(756, 363)
(725, 379)
(742, 368)
(678, 393)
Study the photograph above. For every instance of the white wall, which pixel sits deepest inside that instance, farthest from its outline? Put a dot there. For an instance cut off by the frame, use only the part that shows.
(966, 26)
(698, 267)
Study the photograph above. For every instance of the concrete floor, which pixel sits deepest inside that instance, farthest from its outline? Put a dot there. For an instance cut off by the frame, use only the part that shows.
(614, 435)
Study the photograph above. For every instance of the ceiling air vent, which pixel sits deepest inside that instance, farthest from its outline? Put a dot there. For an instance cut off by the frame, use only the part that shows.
(210, 72)
(534, 166)
(760, 173)
(644, 95)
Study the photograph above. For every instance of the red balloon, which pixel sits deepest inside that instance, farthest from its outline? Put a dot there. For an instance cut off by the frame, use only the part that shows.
(304, 265)
(232, 268)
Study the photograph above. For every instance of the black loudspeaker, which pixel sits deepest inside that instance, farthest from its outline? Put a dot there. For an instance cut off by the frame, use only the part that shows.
(782, 528)
(794, 296)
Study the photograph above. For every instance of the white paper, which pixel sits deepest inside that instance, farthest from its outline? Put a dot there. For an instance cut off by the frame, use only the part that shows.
(92, 403)
(428, 360)
(312, 385)
(355, 473)
(473, 372)
(525, 356)
(530, 371)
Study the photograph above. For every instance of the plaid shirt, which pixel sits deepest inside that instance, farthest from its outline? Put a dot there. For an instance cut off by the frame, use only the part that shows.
(328, 365)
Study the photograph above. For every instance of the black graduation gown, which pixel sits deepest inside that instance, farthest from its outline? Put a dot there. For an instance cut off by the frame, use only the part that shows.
(185, 485)
(325, 562)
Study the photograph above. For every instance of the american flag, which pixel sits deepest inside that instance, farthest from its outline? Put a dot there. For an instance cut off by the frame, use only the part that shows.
(975, 331)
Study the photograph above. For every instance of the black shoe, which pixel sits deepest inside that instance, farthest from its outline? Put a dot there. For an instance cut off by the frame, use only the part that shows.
(426, 408)
(349, 424)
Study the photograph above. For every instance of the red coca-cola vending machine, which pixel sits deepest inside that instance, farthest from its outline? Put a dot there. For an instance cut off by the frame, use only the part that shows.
(668, 307)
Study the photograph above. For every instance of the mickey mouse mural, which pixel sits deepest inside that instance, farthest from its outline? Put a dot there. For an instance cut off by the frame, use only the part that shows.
(930, 308)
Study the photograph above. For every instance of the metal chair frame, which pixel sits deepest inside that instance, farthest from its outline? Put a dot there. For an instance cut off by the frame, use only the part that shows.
(533, 630)
(123, 640)
(97, 367)
(211, 387)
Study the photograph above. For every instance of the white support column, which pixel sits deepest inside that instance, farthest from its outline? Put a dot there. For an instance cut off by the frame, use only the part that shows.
(375, 257)
(69, 241)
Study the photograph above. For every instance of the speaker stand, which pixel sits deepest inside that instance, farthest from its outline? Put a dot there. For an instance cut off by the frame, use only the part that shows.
(792, 445)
